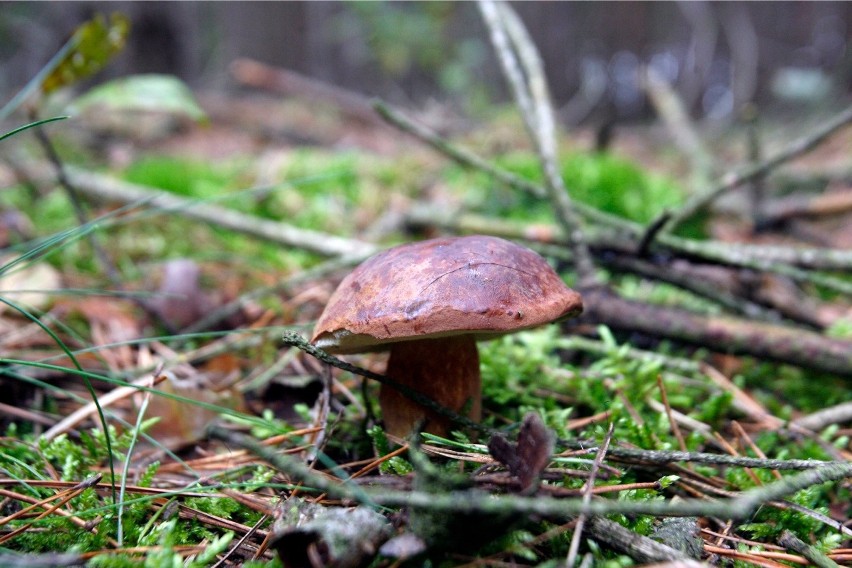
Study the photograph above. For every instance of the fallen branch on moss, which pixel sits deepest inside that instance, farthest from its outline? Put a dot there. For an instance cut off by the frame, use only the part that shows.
(724, 334)
(732, 181)
(469, 501)
(105, 188)
(624, 454)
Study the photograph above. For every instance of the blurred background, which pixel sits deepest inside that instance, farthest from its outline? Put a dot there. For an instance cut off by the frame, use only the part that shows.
(781, 55)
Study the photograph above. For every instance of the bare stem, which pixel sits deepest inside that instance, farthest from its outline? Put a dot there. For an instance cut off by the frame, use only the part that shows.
(756, 171)
(524, 71)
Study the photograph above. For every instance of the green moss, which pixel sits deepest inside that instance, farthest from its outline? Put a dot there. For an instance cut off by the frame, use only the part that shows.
(605, 181)
(181, 176)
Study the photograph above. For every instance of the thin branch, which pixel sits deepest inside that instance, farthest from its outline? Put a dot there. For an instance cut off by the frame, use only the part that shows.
(466, 502)
(109, 189)
(732, 181)
(725, 334)
(76, 203)
(588, 486)
(621, 236)
(672, 110)
(295, 340)
(286, 82)
(225, 311)
(461, 156)
(826, 417)
(791, 542)
(660, 457)
(663, 457)
(641, 548)
(516, 52)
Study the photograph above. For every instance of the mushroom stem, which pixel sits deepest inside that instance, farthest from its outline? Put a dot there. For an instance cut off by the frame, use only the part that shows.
(445, 369)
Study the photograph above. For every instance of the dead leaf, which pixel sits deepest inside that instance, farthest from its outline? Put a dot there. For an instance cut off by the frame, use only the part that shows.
(528, 458)
(181, 301)
(182, 423)
(30, 285)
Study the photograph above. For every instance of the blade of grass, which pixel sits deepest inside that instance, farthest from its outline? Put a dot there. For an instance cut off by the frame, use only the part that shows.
(23, 311)
(34, 84)
(253, 420)
(143, 408)
(31, 125)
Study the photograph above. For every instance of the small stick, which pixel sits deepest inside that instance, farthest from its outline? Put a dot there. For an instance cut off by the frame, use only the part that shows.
(524, 71)
(825, 417)
(588, 489)
(792, 542)
(741, 506)
(103, 187)
(109, 398)
(672, 110)
(758, 452)
(295, 340)
(732, 181)
(461, 156)
(674, 425)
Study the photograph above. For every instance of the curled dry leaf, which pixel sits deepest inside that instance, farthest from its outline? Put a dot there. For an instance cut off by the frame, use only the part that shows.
(183, 423)
(527, 459)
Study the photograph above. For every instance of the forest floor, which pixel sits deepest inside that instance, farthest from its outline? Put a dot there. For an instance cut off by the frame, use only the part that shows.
(698, 412)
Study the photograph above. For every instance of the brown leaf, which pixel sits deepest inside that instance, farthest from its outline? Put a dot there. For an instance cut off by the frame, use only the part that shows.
(528, 458)
(182, 301)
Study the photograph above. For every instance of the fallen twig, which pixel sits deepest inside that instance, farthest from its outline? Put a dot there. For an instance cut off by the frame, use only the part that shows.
(672, 110)
(295, 340)
(732, 181)
(623, 454)
(817, 558)
(574, 547)
(740, 507)
(622, 237)
(825, 204)
(283, 81)
(728, 335)
(461, 156)
(826, 417)
(524, 71)
(109, 189)
(641, 548)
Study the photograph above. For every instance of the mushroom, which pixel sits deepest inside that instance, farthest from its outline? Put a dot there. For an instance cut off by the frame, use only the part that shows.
(429, 302)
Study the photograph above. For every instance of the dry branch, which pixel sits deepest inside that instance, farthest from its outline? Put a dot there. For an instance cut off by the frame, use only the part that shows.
(812, 553)
(672, 110)
(640, 548)
(837, 414)
(109, 189)
(788, 261)
(524, 71)
(741, 506)
(461, 156)
(795, 206)
(732, 181)
(723, 334)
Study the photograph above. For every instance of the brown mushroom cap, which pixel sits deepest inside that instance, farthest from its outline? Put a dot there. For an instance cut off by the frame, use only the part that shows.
(476, 285)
